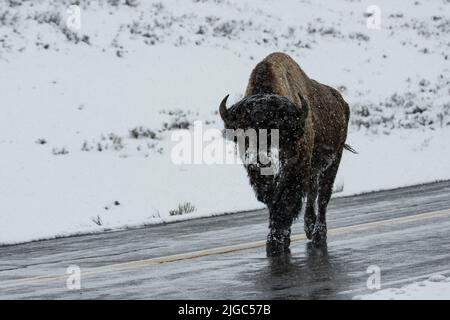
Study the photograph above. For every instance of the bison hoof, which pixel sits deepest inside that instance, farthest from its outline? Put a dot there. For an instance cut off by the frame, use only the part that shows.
(319, 235)
(308, 226)
(278, 243)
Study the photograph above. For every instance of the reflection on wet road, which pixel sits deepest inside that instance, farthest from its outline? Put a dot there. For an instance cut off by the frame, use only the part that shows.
(316, 275)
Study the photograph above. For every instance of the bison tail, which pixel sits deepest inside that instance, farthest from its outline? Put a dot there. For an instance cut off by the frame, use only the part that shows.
(347, 147)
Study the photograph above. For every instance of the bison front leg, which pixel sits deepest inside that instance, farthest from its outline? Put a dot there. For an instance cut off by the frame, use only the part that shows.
(282, 214)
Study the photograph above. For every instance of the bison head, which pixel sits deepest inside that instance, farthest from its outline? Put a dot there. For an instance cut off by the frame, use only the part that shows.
(266, 111)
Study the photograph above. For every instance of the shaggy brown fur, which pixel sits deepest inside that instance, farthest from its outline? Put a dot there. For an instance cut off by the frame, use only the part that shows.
(309, 157)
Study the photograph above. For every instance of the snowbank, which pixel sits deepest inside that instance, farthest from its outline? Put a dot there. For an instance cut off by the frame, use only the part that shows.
(437, 287)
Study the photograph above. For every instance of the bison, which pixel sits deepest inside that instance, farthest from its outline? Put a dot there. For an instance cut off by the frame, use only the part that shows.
(312, 119)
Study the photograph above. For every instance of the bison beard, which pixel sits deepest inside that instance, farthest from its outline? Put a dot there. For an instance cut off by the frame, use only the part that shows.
(312, 120)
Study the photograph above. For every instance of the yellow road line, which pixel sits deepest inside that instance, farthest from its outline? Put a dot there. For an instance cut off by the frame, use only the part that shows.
(223, 250)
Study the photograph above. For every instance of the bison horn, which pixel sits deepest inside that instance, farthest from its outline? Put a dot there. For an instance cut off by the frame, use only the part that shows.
(223, 108)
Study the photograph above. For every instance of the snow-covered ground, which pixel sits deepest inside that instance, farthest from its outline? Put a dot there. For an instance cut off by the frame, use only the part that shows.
(437, 287)
(87, 117)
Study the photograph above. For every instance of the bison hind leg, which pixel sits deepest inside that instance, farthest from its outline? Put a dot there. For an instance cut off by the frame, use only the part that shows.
(319, 235)
(309, 222)
(309, 219)
(326, 181)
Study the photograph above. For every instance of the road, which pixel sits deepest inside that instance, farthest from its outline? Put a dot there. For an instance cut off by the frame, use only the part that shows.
(405, 232)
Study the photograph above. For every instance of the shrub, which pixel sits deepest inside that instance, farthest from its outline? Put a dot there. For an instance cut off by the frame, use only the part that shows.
(183, 208)
(142, 132)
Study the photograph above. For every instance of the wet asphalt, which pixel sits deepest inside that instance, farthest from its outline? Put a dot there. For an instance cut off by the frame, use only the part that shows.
(403, 249)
